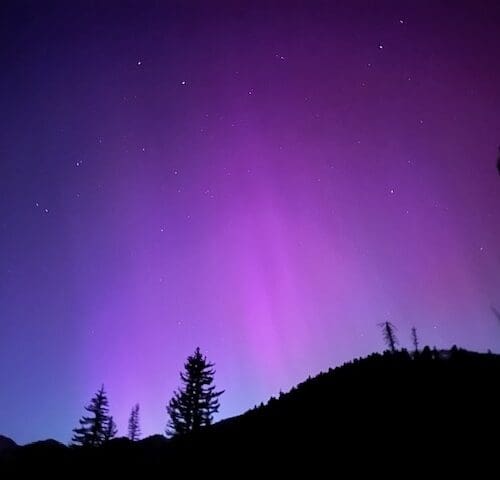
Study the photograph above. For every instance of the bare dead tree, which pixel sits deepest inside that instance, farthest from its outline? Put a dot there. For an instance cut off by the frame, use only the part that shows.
(414, 339)
(389, 335)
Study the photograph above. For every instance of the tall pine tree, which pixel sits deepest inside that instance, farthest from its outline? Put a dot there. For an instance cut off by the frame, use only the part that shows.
(93, 429)
(134, 430)
(193, 405)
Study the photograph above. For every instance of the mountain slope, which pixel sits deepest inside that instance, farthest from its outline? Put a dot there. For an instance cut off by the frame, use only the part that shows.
(6, 442)
(372, 407)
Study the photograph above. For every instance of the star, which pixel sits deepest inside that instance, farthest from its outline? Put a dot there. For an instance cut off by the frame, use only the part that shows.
(139, 63)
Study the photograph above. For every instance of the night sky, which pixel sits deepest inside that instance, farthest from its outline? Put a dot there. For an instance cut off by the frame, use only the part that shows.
(265, 180)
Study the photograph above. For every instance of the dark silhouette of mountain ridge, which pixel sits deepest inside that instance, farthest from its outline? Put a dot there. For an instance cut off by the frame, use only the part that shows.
(395, 405)
(6, 442)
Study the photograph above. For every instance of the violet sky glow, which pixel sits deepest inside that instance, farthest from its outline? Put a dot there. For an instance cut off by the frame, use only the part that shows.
(267, 180)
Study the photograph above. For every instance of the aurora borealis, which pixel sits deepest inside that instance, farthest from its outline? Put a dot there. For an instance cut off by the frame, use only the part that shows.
(265, 180)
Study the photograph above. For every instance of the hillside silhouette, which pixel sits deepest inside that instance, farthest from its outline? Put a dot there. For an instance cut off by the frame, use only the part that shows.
(416, 406)
(6, 443)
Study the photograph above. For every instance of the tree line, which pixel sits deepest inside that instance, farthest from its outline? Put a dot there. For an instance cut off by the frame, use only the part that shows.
(191, 407)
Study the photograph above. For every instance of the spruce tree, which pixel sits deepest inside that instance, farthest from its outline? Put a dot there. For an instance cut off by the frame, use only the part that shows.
(92, 429)
(134, 431)
(111, 430)
(193, 405)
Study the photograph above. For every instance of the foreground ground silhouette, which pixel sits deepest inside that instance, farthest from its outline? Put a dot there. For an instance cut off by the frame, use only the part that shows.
(367, 414)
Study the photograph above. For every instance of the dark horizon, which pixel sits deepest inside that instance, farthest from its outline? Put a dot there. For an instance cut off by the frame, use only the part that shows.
(426, 368)
(265, 180)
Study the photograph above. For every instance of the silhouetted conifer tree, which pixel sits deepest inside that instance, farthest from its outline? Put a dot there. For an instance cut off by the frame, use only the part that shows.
(414, 339)
(193, 405)
(498, 160)
(134, 431)
(111, 430)
(92, 429)
(389, 334)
